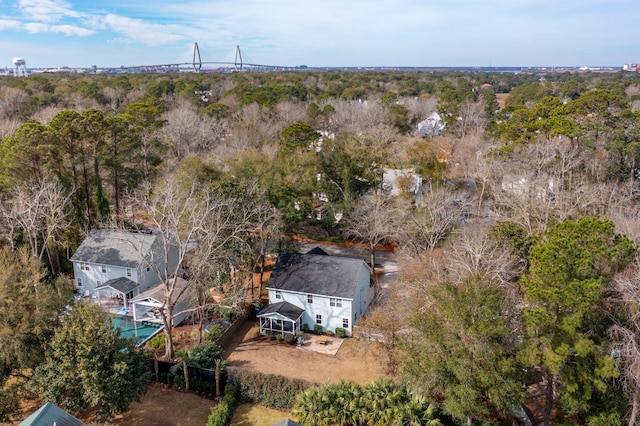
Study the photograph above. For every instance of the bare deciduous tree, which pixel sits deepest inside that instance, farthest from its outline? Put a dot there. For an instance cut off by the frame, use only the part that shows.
(38, 211)
(12, 102)
(419, 108)
(626, 336)
(376, 219)
(438, 214)
(199, 229)
(471, 118)
(475, 252)
(188, 133)
(8, 126)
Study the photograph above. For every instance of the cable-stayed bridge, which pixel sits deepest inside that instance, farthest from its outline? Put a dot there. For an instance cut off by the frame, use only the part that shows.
(198, 65)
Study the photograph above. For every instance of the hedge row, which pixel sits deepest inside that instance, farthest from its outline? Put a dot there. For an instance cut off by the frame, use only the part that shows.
(272, 391)
(222, 412)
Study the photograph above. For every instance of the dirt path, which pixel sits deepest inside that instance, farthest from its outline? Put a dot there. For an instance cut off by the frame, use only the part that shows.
(355, 361)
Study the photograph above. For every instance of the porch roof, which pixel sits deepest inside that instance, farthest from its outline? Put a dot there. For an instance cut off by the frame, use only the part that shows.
(285, 309)
(122, 285)
(157, 293)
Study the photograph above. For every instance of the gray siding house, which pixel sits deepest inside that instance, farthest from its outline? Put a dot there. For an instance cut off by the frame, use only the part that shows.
(315, 288)
(119, 265)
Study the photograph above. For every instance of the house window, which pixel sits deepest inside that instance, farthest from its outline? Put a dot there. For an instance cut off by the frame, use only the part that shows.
(278, 295)
(309, 298)
(79, 281)
(104, 269)
(129, 272)
(98, 283)
(84, 266)
(345, 322)
(335, 303)
(319, 319)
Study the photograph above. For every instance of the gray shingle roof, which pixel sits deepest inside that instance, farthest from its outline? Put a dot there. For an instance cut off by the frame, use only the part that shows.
(317, 250)
(157, 292)
(118, 248)
(287, 422)
(122, 284)
(50, 414)
(283, 308)
(332, 276)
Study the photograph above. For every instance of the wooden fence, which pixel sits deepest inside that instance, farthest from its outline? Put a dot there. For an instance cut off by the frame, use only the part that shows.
(192, 378)
(224, 340)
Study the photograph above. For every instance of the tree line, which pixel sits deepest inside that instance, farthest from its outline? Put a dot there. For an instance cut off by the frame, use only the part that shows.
(543, 169)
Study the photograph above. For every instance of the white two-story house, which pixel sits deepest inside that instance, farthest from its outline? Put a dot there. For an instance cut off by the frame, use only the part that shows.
(112, 264)
(315, 288)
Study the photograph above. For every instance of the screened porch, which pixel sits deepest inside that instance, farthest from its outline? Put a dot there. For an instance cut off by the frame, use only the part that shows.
(280, 318)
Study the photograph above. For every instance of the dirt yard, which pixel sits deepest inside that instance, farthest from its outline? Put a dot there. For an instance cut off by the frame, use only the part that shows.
(355, 361)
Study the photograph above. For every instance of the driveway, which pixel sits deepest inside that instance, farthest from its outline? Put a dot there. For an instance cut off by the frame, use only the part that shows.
(355, 359)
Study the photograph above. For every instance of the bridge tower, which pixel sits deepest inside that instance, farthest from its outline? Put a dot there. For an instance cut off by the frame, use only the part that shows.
(197, 66)
(238, 56)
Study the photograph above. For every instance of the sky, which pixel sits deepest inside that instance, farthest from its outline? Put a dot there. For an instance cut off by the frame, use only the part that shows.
(111, 33)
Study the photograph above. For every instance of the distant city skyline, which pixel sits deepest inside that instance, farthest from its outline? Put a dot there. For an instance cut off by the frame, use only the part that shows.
(365, 33)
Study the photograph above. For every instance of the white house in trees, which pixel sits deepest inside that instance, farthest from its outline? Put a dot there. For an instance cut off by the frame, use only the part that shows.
(315, 288)
(118, 265)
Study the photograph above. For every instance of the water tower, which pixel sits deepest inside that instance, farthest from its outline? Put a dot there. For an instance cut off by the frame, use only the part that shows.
(20, 69)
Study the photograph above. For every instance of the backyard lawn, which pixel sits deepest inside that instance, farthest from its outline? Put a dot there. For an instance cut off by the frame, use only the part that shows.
(253, 414)
(355, 361)
(166, 407)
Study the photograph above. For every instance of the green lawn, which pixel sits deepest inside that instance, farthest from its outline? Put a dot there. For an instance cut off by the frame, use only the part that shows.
(257, 415)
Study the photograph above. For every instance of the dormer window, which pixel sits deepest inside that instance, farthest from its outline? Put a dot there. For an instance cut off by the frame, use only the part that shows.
(278, 294)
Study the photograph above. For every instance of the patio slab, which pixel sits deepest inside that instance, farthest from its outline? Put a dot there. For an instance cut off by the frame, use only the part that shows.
(321, 344)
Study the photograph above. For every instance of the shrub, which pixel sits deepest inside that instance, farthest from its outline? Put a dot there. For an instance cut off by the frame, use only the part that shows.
(299, 334)
(215, 331)
(156, 342)
(269, 390)
(305, 327)
(341, 332)
(290, 339)
(230, 394)
(279, 337)
(317, 328)
(384, 395)
(204, 355)
(329, 333)
(220, 414)
(178, 381)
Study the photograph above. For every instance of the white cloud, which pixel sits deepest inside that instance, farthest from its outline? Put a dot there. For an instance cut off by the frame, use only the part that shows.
(71, 30)
(9, 24)
(46, 10)
(68, 30)
(143, 32)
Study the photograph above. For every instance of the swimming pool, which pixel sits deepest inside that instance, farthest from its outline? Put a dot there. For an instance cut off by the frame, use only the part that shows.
(142, 331)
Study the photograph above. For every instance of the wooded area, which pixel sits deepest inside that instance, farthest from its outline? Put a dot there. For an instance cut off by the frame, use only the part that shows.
(519, 225)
